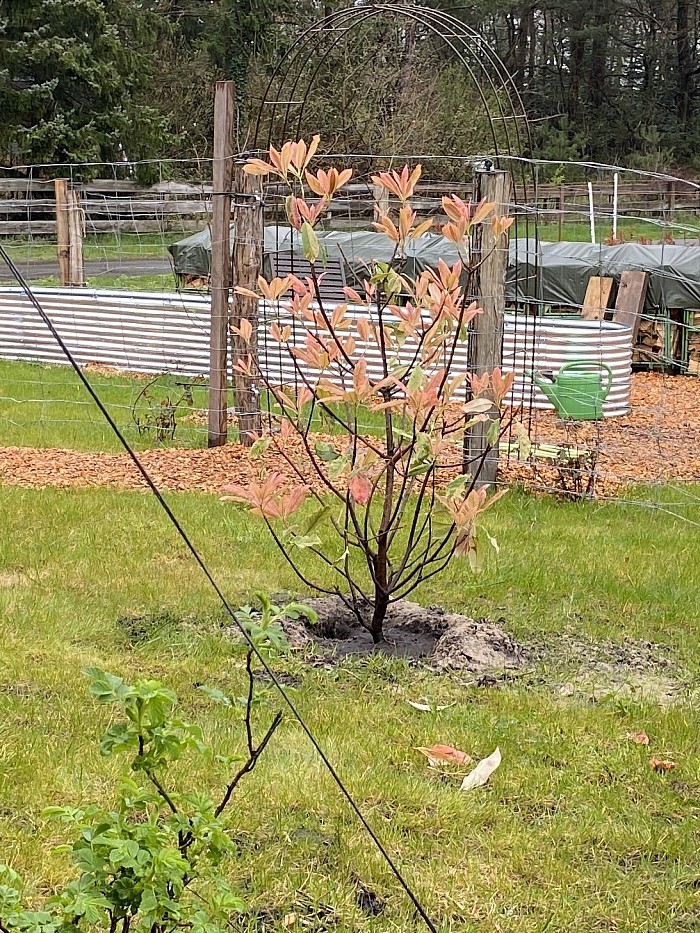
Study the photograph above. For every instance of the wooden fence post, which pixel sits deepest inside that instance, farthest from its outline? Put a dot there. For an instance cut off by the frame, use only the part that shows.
(381, 199)
(76, 266)
(62, 232)
(487, 328)
(224, 110)
(247, 266)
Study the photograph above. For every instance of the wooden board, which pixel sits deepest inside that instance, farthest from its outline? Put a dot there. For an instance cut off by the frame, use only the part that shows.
(630, 299)
(597, 300)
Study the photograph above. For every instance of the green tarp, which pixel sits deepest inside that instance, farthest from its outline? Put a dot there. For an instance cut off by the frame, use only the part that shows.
(192, 256)
(551, 273)
(558, 273)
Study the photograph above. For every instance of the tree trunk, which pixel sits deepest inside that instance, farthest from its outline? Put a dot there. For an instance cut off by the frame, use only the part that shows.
(684, 61)
(599, 65)
(578, 49)
(381, 604)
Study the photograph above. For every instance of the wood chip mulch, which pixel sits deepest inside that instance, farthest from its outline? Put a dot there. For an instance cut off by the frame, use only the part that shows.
(175, 469)
(658, 442)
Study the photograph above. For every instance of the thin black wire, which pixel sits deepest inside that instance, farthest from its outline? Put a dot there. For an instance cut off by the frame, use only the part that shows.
(215, 586)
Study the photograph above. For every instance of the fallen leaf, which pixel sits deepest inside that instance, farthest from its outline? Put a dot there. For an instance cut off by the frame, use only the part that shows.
(641, 738)
(439, 755)
(483, 771)
(426, 707)
(289, 920)
(661, 764)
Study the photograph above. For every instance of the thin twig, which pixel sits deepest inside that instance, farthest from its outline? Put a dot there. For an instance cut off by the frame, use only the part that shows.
(249, 765)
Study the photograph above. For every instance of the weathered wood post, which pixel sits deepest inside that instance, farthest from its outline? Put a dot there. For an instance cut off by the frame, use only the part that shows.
(76, 265)
(486, 335)
(381, 201)
(224, 110)
(62, 232)
(247, 266)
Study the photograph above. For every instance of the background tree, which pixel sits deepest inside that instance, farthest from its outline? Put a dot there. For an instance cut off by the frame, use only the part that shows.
(76, 81)
(91, 80)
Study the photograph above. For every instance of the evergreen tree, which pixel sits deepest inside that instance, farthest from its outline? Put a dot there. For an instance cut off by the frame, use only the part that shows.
(75, 77)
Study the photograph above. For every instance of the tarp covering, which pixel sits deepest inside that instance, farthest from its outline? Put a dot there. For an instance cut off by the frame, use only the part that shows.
(192, 256)
(558, 273)
(552, 273)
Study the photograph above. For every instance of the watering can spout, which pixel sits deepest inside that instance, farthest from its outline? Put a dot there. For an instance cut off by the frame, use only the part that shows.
(546, 383)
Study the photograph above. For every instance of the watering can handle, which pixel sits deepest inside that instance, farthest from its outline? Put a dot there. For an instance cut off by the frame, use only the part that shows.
(585, 364)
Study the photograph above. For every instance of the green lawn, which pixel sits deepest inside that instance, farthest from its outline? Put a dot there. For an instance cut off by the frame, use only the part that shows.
(685, 230)
(134, 283)
(575, 831)
(98, 246)
(47, 406)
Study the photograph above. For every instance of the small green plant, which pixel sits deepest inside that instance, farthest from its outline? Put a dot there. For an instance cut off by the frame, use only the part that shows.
(160, 416)
(154, 862)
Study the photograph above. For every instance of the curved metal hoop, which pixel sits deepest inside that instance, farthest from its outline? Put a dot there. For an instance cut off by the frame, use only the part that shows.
(291, 82)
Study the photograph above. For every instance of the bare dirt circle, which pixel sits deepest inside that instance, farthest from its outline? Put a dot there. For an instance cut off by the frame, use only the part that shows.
(445, 640)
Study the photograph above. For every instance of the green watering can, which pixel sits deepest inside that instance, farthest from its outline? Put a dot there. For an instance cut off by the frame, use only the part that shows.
(577, 391)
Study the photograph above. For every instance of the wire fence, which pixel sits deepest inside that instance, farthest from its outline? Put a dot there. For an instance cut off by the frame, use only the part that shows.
(145, 344)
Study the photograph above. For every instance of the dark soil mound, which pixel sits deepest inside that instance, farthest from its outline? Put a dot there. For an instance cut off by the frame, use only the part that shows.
(446, 640)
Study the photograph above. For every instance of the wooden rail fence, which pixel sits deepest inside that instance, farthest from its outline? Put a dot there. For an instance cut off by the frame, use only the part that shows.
(28, 205)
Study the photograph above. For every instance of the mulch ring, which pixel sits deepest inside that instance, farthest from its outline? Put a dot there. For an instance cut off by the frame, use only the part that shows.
(658, 441)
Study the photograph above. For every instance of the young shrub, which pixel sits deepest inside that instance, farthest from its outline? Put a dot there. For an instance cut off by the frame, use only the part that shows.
(155, 862)
(386, 354)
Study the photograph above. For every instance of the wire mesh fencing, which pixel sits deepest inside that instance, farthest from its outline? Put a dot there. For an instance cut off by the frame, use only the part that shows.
(146, 346)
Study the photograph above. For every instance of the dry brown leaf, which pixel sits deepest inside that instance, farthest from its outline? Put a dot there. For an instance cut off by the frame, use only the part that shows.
(289, 920)
(661, 764)
(640, 738)
(440, 755)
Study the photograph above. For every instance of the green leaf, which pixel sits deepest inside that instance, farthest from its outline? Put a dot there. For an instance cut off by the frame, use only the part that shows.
(65, 814)
(456, 485)
(294, 610)
(309, 242)
(260, 446)
(493, 433)
(380, 270)
(88, 861)
(215, 695)
(305, 541)
(326, 452)
(416, 379)
(392, 284)
(420, 469)
(119, 738)
(338, 467)
(108, 688)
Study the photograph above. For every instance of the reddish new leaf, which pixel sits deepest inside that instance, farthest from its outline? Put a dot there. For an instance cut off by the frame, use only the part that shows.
(360, 488)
